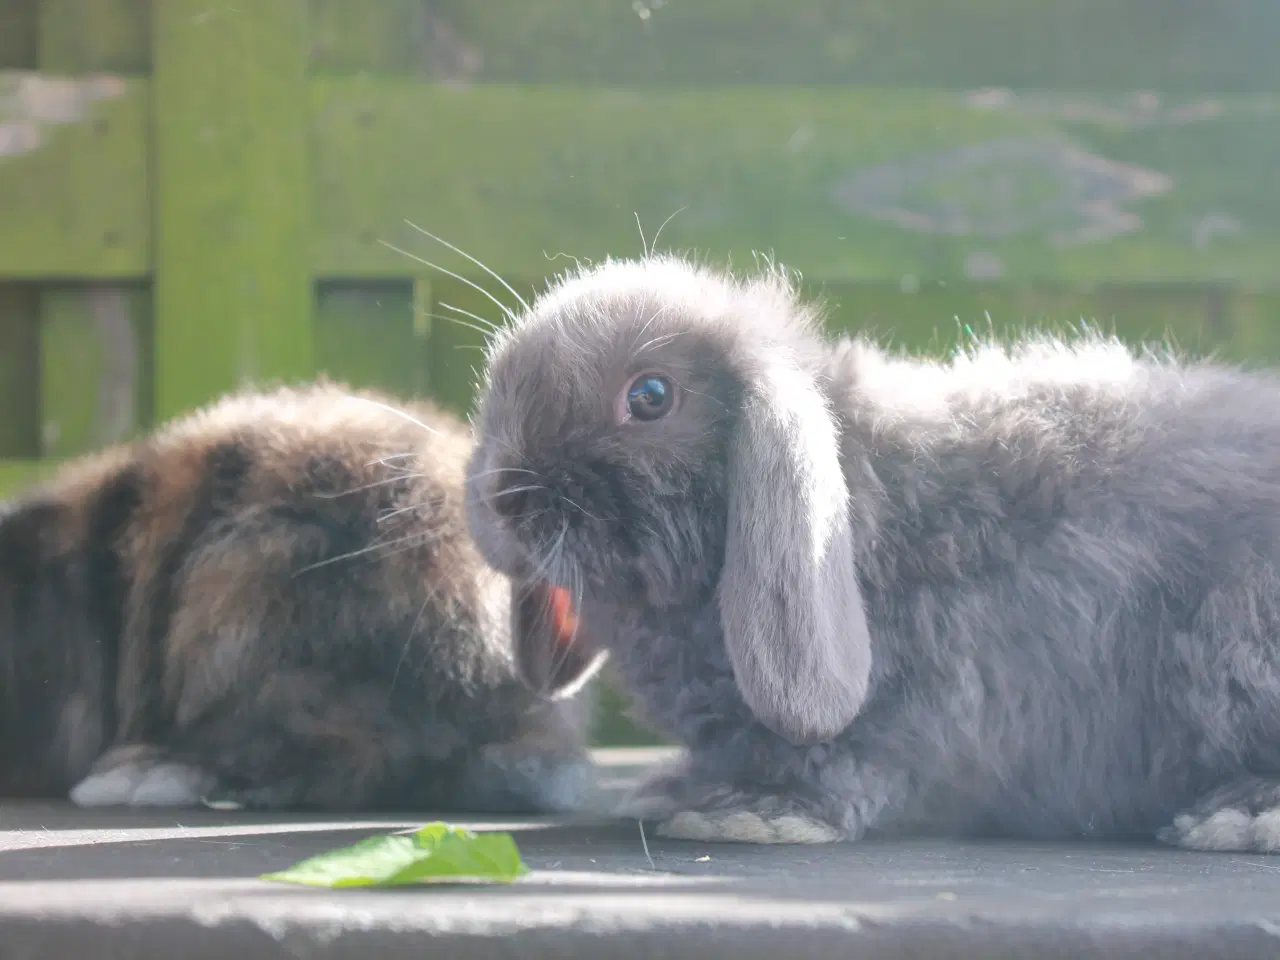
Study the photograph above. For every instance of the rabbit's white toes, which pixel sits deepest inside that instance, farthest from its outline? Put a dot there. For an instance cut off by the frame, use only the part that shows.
(142, 785)
(746, 826)
(1231, 829)
(1241, 817)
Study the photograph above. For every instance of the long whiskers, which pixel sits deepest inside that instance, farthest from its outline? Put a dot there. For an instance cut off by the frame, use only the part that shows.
(524, 488)
(675, 213)
(563, 649)
(580, 508)
(414, 541)
(399, 413)
(398, 478)
(408, 642)
(551, 556)
(492, 327)
(449, 273)
(483, 331)
(659, 341)
(483, 266)
(648, 248)
(383, 518)
(386, 461)
(490, 472)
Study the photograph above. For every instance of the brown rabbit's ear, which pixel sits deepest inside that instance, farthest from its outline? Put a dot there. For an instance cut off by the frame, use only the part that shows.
(790, 604)
(553, 656)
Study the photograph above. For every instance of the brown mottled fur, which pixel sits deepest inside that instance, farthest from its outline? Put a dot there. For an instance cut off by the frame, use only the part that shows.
(272, 602)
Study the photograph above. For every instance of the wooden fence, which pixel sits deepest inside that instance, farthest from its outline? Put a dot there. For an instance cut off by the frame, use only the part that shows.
(196, 193)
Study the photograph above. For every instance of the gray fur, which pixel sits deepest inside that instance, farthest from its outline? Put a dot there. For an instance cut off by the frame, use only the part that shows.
(1068, 556)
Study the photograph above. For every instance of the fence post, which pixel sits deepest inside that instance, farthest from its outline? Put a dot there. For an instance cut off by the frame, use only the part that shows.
(232, 198)
(94, 371)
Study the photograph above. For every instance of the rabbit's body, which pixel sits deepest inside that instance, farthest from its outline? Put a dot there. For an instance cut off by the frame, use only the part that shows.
(1067, 572)
(272, 602)
(1017, 608)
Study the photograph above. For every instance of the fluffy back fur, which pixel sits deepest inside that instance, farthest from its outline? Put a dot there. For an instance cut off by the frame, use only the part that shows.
(271, 602)
(1031, 590)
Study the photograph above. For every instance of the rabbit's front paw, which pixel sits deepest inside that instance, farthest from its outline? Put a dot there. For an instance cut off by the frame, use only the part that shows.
(754, 822)
(729, 815)
(138, 775)
(687, 806)
(1243, 817)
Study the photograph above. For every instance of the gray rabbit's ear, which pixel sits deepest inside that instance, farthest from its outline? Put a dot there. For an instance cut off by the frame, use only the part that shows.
(552, 655)
(790, 605)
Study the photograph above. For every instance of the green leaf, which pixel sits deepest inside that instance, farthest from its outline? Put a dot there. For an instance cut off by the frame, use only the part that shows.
(438, 853)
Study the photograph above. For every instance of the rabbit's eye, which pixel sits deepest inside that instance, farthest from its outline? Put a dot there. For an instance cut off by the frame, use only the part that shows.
(650, 397)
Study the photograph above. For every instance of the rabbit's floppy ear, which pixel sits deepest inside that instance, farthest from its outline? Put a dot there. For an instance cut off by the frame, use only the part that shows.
(552, 655)
(790, 605)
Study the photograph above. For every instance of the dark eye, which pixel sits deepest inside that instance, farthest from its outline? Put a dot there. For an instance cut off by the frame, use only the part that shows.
(650, 397)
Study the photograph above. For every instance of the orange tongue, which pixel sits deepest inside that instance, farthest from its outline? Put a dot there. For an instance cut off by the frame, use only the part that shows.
(564, 620)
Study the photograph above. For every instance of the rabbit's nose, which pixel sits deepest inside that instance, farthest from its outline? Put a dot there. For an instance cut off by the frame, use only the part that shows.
(511, 493)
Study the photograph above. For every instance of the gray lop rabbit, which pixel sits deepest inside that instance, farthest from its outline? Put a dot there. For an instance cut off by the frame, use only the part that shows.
(1033, 591)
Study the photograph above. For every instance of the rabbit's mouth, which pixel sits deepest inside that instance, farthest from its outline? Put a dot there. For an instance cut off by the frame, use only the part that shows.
(555, 655)
(564, 618)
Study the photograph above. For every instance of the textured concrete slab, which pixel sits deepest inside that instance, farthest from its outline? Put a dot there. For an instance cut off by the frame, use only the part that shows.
(142, 885)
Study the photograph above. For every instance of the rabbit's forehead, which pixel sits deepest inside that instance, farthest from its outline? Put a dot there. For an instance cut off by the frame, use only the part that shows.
(554, 380)
(577, 359)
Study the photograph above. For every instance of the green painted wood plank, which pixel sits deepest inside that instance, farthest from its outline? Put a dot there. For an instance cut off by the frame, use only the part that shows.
(73, 176)
(95, 369)
(1224, 45)
(534, 170)
(232, 194)
(936, 318)
(852, 184)
(1254, 327)
(1217, 45)
(366, 337)
(95, 350)
(91, 36)
(17, 34)
(19, 371)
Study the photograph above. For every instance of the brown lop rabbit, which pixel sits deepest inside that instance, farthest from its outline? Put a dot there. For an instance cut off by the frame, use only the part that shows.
(273, 602)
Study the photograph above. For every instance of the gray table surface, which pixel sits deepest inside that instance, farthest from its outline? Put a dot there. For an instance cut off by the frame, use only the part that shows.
(170, 884)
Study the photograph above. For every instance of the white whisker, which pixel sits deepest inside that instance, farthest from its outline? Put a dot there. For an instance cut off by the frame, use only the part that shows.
(474, 316)
(580, 508)
(385, 461)
(483, 331)
(527, 488)
(395, 513)
(574, 578)
(484, 321)
(449, 273)
(372, 548)
(408, 642)
(398, 478)
(490, 472)
(550, 558)
(399, 413)
(674, 214)
(482, 266)
(659, 341)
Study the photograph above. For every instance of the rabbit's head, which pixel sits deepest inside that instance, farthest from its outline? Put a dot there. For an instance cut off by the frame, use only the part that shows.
(654, 434)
